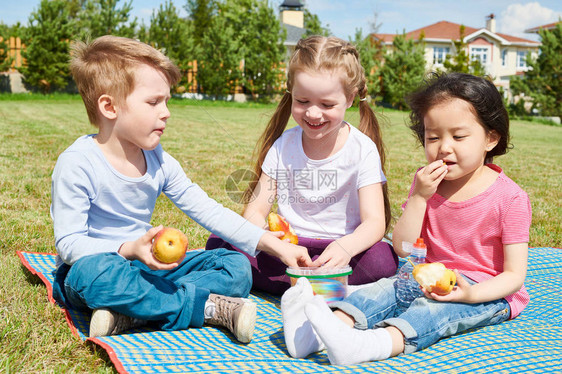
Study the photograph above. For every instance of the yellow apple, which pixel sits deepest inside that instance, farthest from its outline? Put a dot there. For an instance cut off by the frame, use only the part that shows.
(278, 223)
(435, 277)
(169, 245)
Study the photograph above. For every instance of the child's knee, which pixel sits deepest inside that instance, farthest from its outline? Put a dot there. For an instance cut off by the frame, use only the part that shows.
(375, 263)
(89, 275)
(384, 256)
(240, 270)
(87, 269)
(243, 267)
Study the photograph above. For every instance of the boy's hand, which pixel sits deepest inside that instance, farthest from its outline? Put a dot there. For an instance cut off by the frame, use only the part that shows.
(293, 255)
(141, 249)
(290, 254)
(297, 257)
(279, 234)
(428, 178)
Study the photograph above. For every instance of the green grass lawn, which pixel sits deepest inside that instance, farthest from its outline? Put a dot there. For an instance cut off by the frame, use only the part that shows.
(211, 141)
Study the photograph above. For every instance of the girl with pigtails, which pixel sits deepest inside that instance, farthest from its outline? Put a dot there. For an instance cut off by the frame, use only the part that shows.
(326, 176)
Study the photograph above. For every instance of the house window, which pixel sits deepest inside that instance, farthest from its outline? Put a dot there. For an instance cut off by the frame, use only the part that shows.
(480, 54)
(440, 55)
(521, 59)
(504, 57)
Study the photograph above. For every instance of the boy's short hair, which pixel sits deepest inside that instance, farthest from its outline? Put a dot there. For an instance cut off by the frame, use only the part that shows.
(107, 66)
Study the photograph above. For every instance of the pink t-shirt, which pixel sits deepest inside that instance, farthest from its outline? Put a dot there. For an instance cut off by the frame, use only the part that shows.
(469, 235)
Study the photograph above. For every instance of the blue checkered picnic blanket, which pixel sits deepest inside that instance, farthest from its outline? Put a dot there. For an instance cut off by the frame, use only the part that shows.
(530, 343)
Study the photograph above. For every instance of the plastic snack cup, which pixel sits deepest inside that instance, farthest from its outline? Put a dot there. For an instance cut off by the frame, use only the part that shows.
(330, 283)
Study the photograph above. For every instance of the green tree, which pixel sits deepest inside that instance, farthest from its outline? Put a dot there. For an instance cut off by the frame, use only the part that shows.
(5, 60)
(75, 7)
(243, 46)
(403, 70)
(371, 54)
(543, 80)
(460, 61)
(218, 58)
(260, 36)
(47, 38)
(104, 17)
(201, 14)
(313, 25)
(172, 35)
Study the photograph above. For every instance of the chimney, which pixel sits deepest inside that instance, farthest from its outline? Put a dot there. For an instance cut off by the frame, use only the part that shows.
(491, 23)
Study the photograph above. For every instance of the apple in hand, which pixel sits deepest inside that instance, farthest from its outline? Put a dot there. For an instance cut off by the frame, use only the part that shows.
(435, 277)
(169, 245)
(278, 223)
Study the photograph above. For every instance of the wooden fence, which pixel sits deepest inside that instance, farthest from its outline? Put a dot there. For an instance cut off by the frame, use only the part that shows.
(191, 85)
(15, 47)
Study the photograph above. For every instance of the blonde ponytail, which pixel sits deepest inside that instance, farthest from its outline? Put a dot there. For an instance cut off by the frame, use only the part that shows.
(369, 125)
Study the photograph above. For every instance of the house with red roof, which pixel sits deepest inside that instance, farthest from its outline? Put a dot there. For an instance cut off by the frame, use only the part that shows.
(550, 26)
(503, 56)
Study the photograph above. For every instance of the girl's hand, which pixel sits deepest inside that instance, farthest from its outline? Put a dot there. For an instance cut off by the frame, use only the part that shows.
(333, 256)
(428, 178)
(141, 249)
(460, 293)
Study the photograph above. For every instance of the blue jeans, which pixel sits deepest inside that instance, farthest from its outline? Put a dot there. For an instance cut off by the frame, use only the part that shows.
(170, 299)
(425, 321)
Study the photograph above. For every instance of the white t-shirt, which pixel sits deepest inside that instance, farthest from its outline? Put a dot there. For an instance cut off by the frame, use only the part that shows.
(319, 198)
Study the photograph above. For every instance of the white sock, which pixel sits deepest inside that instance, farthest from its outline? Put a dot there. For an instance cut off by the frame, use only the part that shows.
(347, 345)
(300, 338)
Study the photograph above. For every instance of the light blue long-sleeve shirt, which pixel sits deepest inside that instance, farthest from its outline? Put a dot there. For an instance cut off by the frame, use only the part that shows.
(96, 209)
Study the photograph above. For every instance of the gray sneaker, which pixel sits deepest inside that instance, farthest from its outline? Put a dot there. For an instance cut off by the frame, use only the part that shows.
(105, 322)
(236, 314)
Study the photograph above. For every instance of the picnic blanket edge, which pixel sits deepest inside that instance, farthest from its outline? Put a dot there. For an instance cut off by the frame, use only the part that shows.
(49, 287)
(110, 352)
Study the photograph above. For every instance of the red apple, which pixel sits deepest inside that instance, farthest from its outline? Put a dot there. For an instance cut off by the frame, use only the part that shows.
(435, 277)
(169, 245)
(278, 223)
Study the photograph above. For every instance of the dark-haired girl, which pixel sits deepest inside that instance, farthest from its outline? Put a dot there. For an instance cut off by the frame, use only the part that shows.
(473, 218)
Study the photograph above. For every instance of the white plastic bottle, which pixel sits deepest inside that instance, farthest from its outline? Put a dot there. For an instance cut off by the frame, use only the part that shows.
(407, 289)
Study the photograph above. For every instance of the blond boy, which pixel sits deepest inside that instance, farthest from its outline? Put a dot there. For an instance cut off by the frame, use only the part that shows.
(104, 190)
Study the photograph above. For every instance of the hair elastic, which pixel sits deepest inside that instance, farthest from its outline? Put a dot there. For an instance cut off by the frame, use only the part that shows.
(287, 91)
(363, 99)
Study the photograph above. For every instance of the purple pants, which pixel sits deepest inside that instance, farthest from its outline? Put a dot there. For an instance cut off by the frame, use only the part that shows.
(268, 272)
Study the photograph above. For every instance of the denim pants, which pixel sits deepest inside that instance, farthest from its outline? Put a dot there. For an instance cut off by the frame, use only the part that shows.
(425, 321)
(268, 272)
(169, 299)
